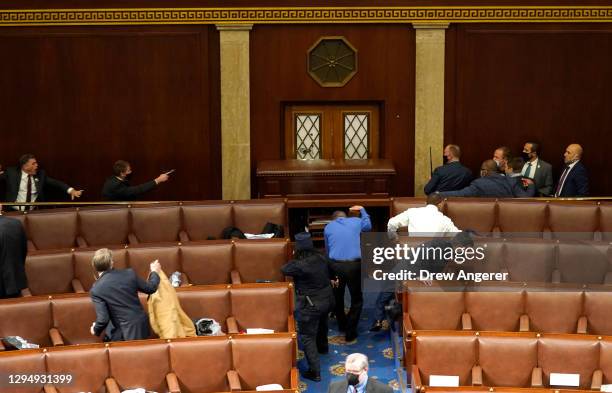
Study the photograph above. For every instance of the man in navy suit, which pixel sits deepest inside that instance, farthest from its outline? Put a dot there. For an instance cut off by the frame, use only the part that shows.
(115, 297)
(27, 183)
(13, 251)
(452, 175)
(522, 187)
(537, 169)
(491, 184)
(574, 180)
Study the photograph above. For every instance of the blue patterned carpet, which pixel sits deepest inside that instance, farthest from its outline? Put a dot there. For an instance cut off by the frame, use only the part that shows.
(377, 346)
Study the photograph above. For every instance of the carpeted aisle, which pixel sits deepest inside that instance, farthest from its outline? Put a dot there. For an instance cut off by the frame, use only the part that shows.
(377, 346)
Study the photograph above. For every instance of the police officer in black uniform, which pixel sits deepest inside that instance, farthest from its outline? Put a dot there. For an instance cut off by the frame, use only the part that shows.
(311, 272)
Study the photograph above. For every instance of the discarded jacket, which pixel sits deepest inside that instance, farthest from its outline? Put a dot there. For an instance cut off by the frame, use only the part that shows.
(167, 318)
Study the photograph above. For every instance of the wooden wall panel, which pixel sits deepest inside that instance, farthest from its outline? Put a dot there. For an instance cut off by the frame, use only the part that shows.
(385, 77)
(506, 84)
(81, 98)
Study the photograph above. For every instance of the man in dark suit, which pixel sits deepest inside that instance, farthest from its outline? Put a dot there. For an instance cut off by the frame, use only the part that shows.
(491, 184)
(115, 297)
(452, 175)
(118, 188)
(574, 180)
(537, 169)
(13, 251)
(522, 187)
(501, 156)
(27, 183)
(357, 380)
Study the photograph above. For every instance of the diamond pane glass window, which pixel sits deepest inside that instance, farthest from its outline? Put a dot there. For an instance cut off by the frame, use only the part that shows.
(356, 133)
(308, 136)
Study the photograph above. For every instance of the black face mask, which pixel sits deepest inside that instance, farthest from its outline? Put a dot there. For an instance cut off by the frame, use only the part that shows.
(352, 379)
(525, 156)
(445, 159)
(128, 176)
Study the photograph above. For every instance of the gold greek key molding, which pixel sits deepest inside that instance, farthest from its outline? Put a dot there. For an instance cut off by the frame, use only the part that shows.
(520, 14)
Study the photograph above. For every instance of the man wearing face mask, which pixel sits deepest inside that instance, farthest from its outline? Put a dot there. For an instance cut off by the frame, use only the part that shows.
(501, 155)
(537, 169)
(450, 176)
(357, 381)
(574, 180)
(491, 184)
(118, 188)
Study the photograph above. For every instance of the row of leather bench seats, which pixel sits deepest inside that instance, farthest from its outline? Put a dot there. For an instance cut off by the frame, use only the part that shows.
(189, 365)
(519, 360)
(540, 260)
(184, 221)
(525, 218)
(212, 262)
(66, 319)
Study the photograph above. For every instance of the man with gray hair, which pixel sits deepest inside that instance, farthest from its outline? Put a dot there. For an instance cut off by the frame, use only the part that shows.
(115, 297)
(357, 381)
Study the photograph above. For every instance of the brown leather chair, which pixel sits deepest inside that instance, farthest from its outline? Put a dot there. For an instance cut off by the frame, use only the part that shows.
(103, 226)
(251, 216)
(565, 318)
(204, 220)
(155, 224)
(427, 310)
(531, 260)
(474, 214)
(29, 318)
(495, 311)
(576, 356)
(209, 263)
(264, 359)
(22, 363)
(139, 365)
(83, 270)
(214, 302)
(50, 273)
(72, 319)
(522, 219)
(597, 306)
(605, 361)
(260, 260)
(267, 307)
(583, 262)
(87, 364)
(399, 205)
(201, 366)
(445, 355)
(507, 360)
(54, 229)
(575, 220)
(140, 258)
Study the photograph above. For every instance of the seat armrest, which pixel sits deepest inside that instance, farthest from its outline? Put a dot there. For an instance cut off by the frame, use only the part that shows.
(235, 276)
(556, 276)
(408, 329)
(233, 380)
(56, 337)
(597, 380)
(536, 378)
(476, 376)
(232, 326)
(185, 280)
(582, 325)
(111, 385)
(547, 234)
(417, 385)
(132, 239)
(31, 246)
(82, 243)
(26, 292)
(294, 378)
(49, 389)
(291, 324)
(608, 279)
(524, 323)
(466, 321)
(496, 232)
(183, 236)
(77, 286)
(2, 346)
(173, 383)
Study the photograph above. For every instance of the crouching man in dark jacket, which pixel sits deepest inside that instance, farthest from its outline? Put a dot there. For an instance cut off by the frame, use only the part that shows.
(115, 297)
(311, 272)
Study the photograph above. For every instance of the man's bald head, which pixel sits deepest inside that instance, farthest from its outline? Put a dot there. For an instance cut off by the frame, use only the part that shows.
(488, 167)
(572, 153)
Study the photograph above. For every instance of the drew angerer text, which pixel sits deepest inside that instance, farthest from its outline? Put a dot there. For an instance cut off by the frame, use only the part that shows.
(426, 275)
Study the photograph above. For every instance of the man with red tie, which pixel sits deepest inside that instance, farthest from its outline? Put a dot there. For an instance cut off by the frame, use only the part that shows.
(574, 180)
(27, 183)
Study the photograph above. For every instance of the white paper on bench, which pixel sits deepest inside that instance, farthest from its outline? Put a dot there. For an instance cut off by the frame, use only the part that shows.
(272, 386)
(444, 380)
(560, 379)
(259, 331)
(259, 236)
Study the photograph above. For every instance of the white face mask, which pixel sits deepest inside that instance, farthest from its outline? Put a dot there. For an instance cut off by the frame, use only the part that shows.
(498, 162)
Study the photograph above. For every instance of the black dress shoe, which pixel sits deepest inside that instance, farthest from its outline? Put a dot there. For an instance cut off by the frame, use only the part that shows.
(312, 375)
(377, 326)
